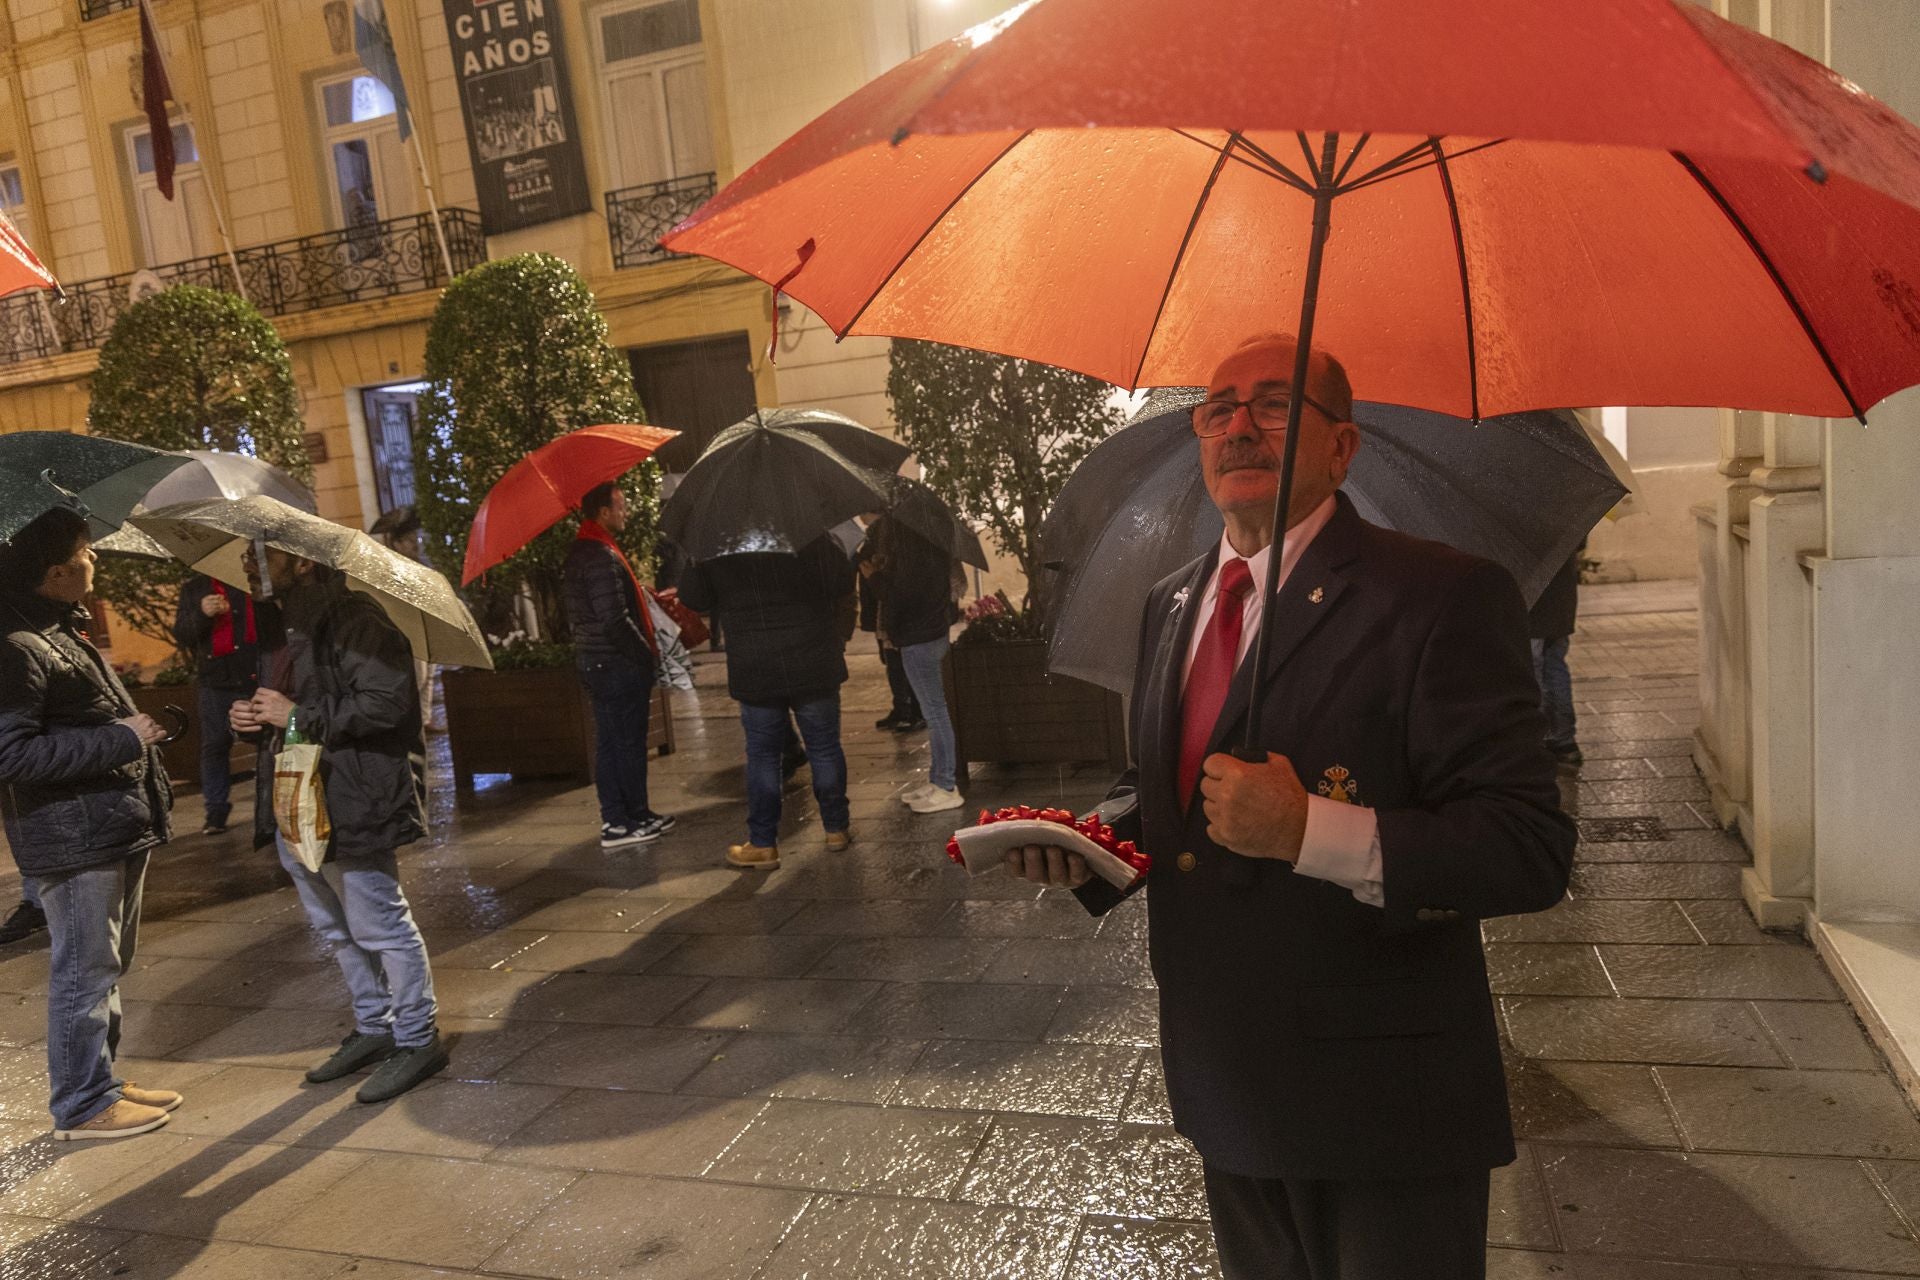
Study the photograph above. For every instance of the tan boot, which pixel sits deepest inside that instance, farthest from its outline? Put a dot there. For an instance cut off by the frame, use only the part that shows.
(757, 857)
(121, 1120)
(838, 840)
(164, 1099)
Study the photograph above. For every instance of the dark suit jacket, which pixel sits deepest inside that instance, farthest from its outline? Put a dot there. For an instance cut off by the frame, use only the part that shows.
(1306, 1034)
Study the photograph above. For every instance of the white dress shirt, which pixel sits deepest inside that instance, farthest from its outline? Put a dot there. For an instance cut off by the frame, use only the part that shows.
(1342, 841)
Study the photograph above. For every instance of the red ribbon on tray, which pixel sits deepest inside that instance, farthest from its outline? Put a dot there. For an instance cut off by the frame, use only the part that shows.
(1090, 827)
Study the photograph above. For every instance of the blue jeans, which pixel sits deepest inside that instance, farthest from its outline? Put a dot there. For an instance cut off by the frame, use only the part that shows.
(1556, 691)
(622, 698)
(923, 669)
(357, 906)
(766, 728)
(216, 745)
(93, 916)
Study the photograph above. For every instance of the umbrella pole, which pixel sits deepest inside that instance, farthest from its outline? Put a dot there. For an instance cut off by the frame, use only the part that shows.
(1325, 180)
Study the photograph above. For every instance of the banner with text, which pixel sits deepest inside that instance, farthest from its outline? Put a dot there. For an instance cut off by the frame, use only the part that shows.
(521, 130)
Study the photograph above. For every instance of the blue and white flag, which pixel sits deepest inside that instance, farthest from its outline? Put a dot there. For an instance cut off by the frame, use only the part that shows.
(373, 42)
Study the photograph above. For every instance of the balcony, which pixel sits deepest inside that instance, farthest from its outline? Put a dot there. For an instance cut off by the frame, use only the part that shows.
(337, 268)
(638, 216)
(91, 9)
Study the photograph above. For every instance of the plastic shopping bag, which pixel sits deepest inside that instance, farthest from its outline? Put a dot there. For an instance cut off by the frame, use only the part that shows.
(300, 803)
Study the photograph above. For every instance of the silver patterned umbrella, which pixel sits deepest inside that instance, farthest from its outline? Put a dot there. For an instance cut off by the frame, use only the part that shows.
(1520, 490)
(213, 535)
(208, 473)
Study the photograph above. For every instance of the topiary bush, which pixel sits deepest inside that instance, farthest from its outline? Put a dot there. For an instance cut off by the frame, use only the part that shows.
(517, 355)
(191, 368)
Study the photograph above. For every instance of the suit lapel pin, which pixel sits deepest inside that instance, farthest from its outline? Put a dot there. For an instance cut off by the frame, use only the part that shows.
(1339, 785)
(1180, 599)
(1317, 595)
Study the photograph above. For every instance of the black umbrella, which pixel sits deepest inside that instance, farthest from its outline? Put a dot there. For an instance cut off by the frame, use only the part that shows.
(760, 487)
(927, 514)
(40, 470)
(849, 439)
(1521, 490)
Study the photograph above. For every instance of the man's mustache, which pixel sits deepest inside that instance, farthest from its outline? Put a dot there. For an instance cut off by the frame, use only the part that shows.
(1248, 460)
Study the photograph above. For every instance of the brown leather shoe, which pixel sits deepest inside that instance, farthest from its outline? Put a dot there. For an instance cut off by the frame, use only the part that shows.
(838, 840)
(755, 857)
(163, 1099)
(121, 1120)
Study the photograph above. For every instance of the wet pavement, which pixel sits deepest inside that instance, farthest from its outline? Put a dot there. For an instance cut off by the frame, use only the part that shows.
(867, 1065)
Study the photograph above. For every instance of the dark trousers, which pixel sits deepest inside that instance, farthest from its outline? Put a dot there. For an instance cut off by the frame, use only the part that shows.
(905, 705)
(622, 698)
(1307, 1229)
(1556, 691)
(216, 745)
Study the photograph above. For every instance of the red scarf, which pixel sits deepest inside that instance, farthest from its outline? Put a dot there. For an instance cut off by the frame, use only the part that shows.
(223, 625)
(590, 531)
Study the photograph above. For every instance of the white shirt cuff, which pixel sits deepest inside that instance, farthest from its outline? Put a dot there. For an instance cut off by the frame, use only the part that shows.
(1342, 845)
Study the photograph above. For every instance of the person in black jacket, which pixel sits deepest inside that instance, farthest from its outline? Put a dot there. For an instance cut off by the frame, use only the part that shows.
(1330, 1043)
(218, 627)
(85, 799)
(617, 655)
(343, 679)
(904, 715)
(1550, 624)
(785, 653)
(915, 579)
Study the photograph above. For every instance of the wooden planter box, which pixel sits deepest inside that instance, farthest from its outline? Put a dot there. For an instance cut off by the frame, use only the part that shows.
(1007, 709)
(531, 724)
(182, 755)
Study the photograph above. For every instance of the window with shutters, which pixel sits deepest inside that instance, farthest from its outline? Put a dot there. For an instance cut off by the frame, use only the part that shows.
(653, 89)
(183, 227)
(368, 178)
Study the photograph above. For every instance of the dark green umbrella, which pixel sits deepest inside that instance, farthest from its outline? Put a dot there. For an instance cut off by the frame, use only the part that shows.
(41, 470)
(760, 488)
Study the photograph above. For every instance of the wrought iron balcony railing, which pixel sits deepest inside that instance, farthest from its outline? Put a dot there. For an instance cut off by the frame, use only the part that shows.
(377, 260)
(638, 216)
(91, 9)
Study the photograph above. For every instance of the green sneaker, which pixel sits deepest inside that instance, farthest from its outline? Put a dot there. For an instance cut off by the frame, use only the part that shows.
(356, 1051)
(405, 1069)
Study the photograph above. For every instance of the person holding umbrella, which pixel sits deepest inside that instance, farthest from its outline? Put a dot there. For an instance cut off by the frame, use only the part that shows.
(344, 679)
(85, 800)
(914, 578)
(1314, 917)
(618, 655)
(220, 628)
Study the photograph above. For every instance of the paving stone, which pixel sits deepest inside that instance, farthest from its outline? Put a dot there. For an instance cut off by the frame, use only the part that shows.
(1107, 1015)
(957, 1011)
(439, 1118)
(860, 1238)
(820, 1006)
(596, 953)
(832, 1146)
(1727, 1209)
(273, 1038)
(218, 1190)
(827, 1068)
(1085, 1166)
(1517, 1212)
(596, 1057)
(910, 959)
(1527, 1264)
(1592, 920)
(1724, 923)
(43, 1250)
(1723, 973)
(155, 1257)
(1546, 969)
(1133, 1249)
(606, 1226)
(612, 1130)
(1642, 790)
(1096, 961)
(1826, 1113)
(1047, 917)
(1656, 880)
(44, 1178)
(1819, 1035)
(1589, 1102)
(1680, 846)
(868, 919)
(622, 998)
(1055, 1079)
(1685, 1031)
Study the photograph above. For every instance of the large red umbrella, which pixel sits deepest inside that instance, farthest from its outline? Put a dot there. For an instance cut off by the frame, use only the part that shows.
(20, 267)
(547, 484)
(1481, 209)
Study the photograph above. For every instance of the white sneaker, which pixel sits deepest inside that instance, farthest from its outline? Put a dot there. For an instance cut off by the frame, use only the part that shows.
(911, 794)
(936, 800)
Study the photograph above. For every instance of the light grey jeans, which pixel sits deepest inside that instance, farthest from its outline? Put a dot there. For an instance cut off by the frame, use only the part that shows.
(93, 916)
(356, 904)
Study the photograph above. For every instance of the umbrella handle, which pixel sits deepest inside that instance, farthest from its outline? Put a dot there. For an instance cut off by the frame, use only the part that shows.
(179, 720)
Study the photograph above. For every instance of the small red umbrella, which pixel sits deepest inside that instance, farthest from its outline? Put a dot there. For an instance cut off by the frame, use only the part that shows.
(548, 483)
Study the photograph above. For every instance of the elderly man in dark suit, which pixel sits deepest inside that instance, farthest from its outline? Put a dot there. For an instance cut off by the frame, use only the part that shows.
(1313, 919)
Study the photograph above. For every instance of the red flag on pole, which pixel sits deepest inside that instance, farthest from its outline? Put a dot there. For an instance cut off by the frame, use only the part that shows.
(156, 90)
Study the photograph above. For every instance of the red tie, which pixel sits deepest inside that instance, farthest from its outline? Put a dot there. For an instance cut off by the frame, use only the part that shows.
(1212, 673)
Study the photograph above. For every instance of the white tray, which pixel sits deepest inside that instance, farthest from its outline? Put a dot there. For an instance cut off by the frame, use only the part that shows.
(984, 848)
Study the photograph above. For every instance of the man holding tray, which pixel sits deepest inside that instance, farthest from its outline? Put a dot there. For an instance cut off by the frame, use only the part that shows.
(1314, 920)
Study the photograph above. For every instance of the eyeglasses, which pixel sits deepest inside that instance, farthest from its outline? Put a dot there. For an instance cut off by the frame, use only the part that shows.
(1269, 413)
